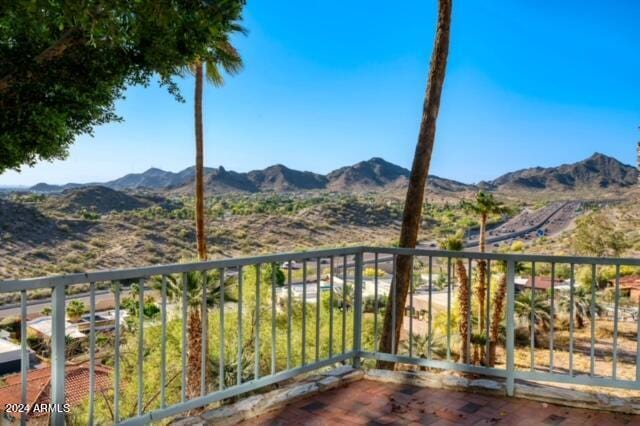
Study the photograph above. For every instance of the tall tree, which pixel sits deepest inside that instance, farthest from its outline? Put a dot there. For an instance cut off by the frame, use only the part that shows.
(418, 177)
(199, 131)
(65, 63)
(223, 58)
(597, 235)
(484, 205)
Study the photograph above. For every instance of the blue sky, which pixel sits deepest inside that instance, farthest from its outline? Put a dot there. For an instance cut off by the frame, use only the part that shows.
(330, 83)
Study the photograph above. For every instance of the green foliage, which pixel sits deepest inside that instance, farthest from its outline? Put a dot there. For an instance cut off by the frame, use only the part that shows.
(584, 277)
(371, 273)
(581, 306)
(441, 281)
(197, 285)
(132, 306)
(10, 323)
(517, 246)
(485, 204)
(420, 345)
(75, 309)
(528, 303)
(272, 271)
(597, 235)
(369, 304)
(253, 334)
(87, 215)
(65, 63)
(453, 243)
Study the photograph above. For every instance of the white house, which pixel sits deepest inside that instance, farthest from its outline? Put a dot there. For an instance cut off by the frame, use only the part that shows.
(9, 357)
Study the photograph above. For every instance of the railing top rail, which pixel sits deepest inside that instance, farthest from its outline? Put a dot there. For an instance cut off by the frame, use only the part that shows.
(141, 272)
(175, 268)
(577, 260)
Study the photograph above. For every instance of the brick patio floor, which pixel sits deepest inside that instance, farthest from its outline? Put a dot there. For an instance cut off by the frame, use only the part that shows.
(374, 403)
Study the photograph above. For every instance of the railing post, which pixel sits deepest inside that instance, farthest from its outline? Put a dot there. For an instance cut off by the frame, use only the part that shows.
(58, 333)
(357, 313)
(511, 267)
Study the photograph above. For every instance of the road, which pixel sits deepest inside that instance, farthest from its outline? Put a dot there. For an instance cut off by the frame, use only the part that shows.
(36, 306)
(551, 220)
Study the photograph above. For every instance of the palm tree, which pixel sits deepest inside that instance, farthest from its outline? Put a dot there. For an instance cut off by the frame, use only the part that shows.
(498, 311)
(197, 284)
(418, 178)
(75, 310)
(581, 306)
(484, 205)
(223, 57)
(420, 346)
(344, 296)
(455, 243)
(534, 306)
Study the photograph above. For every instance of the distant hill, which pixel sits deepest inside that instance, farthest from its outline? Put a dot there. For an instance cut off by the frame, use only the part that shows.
(280, 178)
(45, 187)
(374, 173)
(217, 180)
(596, 172)
(448, 185)
(99, 199)
(151, 179)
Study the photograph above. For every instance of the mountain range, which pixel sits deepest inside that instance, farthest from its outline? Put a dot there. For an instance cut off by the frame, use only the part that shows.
(596, 172)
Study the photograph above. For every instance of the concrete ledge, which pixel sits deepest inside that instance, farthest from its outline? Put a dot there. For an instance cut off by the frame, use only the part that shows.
(527, 390)
(256, 405)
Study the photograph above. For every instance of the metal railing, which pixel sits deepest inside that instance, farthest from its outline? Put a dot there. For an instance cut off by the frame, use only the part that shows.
(252, 329)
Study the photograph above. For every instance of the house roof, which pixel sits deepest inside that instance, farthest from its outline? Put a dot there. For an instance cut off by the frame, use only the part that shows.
(542, 283)
(8, 347)
(43, 326)
(39, 385)
(631, 282)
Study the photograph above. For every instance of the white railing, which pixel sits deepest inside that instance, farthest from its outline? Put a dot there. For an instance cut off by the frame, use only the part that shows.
(258, 330)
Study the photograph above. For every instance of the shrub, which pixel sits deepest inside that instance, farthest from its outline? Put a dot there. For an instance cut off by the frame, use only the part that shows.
(75, 310)
(604, 332)
(371, 273)
(11, 324)
(77, 245)
(517, 246)
(369, 304)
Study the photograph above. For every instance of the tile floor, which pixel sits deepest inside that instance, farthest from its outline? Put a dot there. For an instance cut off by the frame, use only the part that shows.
(374, 403)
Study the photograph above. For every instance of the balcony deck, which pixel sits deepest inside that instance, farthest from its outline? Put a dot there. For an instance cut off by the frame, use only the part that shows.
(369, 402)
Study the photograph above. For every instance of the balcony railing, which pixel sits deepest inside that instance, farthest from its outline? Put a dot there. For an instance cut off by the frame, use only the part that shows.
(271, 318)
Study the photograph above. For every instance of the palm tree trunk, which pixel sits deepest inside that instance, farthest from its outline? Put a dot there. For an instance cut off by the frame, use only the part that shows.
(579, 320)
(483, 233)
(496, 319)
(200, 231)
(482, 283)
(195, 324)
(418, 178)
(195, 352)
(464, 306)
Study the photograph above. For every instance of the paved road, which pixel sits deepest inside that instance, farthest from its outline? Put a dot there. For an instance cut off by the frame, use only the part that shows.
(36, 306)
